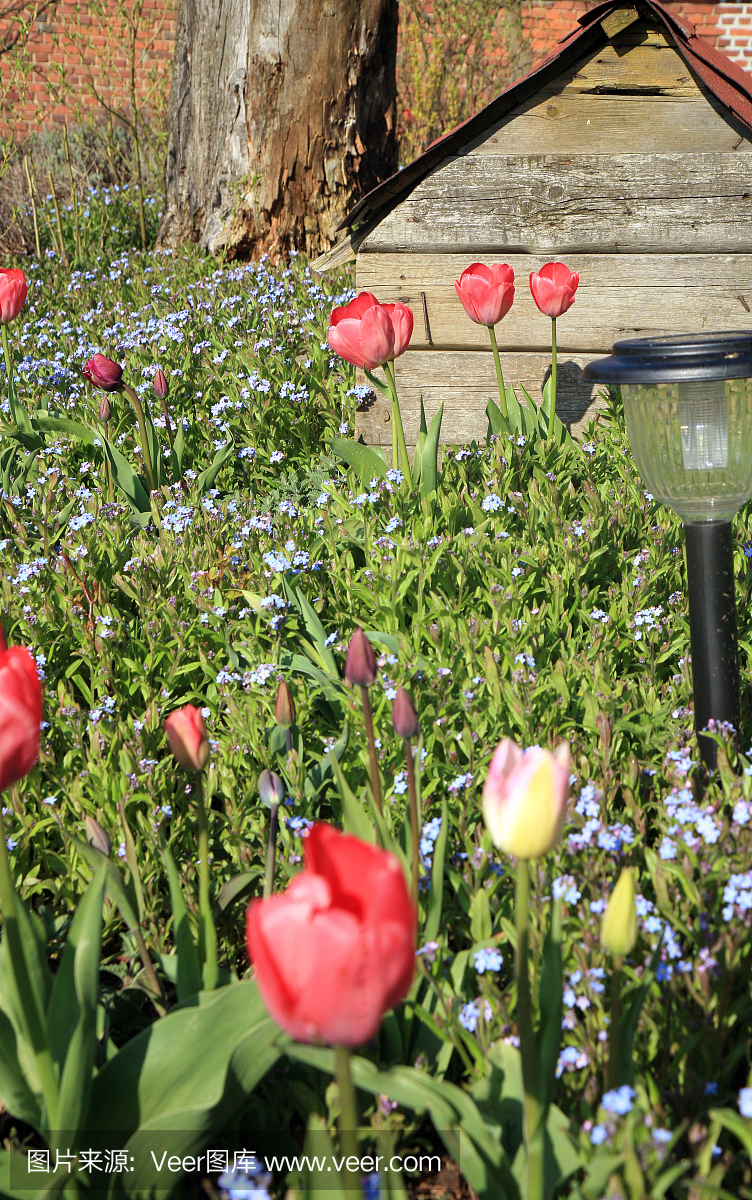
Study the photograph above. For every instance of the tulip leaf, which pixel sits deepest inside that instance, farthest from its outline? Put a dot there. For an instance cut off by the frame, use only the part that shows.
(548, 1035)
(116, 887)
(44, 423)
(480, 916)
(382, 387)
(234, 889)
(33, 946)
(354, 818)
(600, 1169)
(83, 951)
(155, 449)
(225, 1039)
(429, 452)
(528, 418)
(498, 426)
(549, 423)
(456, 1118)
(176, 456)
(132, 860)
(435, 903)
(363, 459)
(189, 967)
(16, 1095)
(129, 483)
(317, 632)
(630, 1017)
(207, 477)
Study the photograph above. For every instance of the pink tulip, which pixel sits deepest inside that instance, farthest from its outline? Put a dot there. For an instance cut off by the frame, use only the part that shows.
(20, 713)
(103, 373)
(525, 798)
(367, 333)
(486, 292)
(13, 291)
(187, 736)
(553, 288)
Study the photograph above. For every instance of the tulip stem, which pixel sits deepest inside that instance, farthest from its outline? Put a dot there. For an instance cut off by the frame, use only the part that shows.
(533, 1116)
(8, 363)
(615, 1030)
(33, 1017)
(207, 938)
(375, 775)
(397, 424)
(135, 401)
(271, 850)
(348, 1119)
(553, 370)
(499, 376)
(109, 465)
(414, 817)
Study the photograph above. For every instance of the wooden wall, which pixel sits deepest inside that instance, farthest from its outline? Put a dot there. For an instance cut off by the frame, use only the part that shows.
(624, 167)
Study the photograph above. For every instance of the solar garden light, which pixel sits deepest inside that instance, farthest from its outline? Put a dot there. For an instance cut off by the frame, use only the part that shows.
(688, 405)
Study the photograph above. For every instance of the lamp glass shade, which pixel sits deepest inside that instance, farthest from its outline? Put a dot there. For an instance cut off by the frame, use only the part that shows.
(692, 443)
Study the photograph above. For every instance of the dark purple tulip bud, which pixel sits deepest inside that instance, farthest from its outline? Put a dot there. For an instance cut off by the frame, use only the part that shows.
(161, 388)
(404, 716)
(284, 709)
(105, 409)
(271, 788)
(360, 665)
(103, 373)
(96, 836)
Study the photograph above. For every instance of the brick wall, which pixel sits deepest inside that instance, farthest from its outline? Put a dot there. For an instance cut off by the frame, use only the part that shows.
(76, 40)
(90, 44)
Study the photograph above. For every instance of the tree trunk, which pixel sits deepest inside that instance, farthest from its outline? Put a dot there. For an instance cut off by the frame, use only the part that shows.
(282, 115)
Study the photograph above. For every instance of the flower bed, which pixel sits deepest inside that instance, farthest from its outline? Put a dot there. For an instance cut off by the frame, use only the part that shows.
(537, 593)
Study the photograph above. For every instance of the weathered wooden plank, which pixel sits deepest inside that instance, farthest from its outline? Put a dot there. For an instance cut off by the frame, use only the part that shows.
(465, 381)
(636, 62)
(564, 204)
(594, 124)
(619, 296)
(618, 20)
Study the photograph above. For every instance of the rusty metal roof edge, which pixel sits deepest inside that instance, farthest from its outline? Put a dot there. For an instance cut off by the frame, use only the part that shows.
(710, 64)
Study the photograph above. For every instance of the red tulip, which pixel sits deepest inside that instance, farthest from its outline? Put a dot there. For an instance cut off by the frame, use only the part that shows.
(187, 736)
(336, 950)
(20, 713)
(367, 333)
(104, 373)
(13, 292)
(553, 288)
(486, 292)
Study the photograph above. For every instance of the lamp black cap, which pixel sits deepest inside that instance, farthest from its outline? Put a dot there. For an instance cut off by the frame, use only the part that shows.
(694, 356)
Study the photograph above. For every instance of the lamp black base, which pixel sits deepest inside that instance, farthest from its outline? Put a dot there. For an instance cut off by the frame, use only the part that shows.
(712, 627)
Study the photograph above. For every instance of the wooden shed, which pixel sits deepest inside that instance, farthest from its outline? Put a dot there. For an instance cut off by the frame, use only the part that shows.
(625, 154)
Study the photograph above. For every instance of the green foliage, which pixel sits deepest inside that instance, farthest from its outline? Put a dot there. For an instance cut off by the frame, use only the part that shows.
(533, 590)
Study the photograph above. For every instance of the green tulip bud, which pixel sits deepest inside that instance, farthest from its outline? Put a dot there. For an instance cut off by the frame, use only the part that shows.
(619, 924)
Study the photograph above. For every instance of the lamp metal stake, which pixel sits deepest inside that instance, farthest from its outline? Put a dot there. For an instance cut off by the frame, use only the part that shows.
(712, 628)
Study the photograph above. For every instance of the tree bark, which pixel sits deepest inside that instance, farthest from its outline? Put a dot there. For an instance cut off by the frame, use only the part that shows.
(282, 115)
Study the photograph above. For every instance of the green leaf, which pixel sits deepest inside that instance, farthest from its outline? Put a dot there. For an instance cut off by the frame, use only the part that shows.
(457, 1120)
(189, 967)
(16, 1095)
(155, 450)
(630, 1017)
(528, 415)
(363, 459)
(435, 903)
(128, 482)
(354, 817)
(234, 889)
(480, 916)
(382, 387)
(317, 632)
(178, 451)
(132, 860)
(83, 947)
(44, 423)
(115, 886)
(207, 477)
(498, 425)
(34, 949)
(318, 775)
(600, 1169)
(429, 454)
(736, 1124)
(548, 1035)
(225, 1039)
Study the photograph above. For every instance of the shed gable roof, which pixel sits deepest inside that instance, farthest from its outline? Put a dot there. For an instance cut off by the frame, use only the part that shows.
(722, 77)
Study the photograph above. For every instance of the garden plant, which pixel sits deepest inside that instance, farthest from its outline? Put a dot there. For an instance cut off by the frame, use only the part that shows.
(353, 822)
